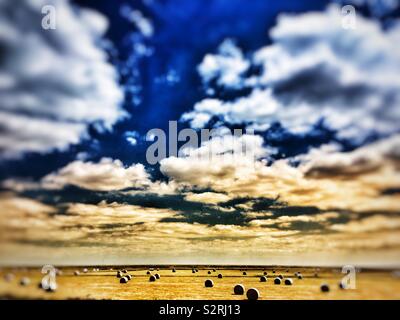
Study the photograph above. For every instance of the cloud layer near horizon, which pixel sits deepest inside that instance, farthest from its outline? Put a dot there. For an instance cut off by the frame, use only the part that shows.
(214, 202)
(236, 207)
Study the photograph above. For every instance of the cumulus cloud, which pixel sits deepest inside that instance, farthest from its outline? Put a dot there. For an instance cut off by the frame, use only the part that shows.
(222, 157)
(321, 163)
(226, 66)
(351, 180)
(53, 83)
(315, 69)
(107, 174)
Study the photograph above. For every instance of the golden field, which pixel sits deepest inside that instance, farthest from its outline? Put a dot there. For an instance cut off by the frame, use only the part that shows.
(183, 284)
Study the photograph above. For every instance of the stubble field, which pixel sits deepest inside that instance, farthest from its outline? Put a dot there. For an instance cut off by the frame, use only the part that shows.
(102, 283)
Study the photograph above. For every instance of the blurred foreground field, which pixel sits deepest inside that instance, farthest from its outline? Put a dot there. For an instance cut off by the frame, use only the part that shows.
(183, 284)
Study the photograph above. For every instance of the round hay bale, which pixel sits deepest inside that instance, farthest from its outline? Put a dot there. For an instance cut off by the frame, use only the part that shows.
(152, 278)
(85, 270)
(324, 287)
(265, 273)
(157, 276)
(219, 276)
(9, 277)
(299, 276)
(208, 283)
(76, 273)
(214, 270)
(244, 273)
(288, 282)
(342, 285)
(148, 272)
(263, 279)
(273, 271)
(238, 289)
(124, 280)
(277, 280)
(287, 270)
(119, 274)
(197, 270)
(209, 272)
(193, 271)
(129, 277)
(173, 270)
(280, 276)
(25, 281)
(124, 271)
(252, 294)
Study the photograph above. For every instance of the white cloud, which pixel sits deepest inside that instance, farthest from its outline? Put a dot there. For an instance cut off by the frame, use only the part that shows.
(226, 66)
(317, 69)
(207, 197)
(106, 175)
(216, 160)
(351, 180)
(53, 83)
(324, 162)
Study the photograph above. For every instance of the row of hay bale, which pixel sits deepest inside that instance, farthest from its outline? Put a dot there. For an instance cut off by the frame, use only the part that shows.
(124, 276)
(252, 293)
(278, 280)
(325, 287)
(154, 277)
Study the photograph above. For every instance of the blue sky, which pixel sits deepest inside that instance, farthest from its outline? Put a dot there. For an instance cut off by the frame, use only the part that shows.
(179, 46)
(323, 100)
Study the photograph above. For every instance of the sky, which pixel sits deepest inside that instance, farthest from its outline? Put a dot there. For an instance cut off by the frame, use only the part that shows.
(315, 91)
